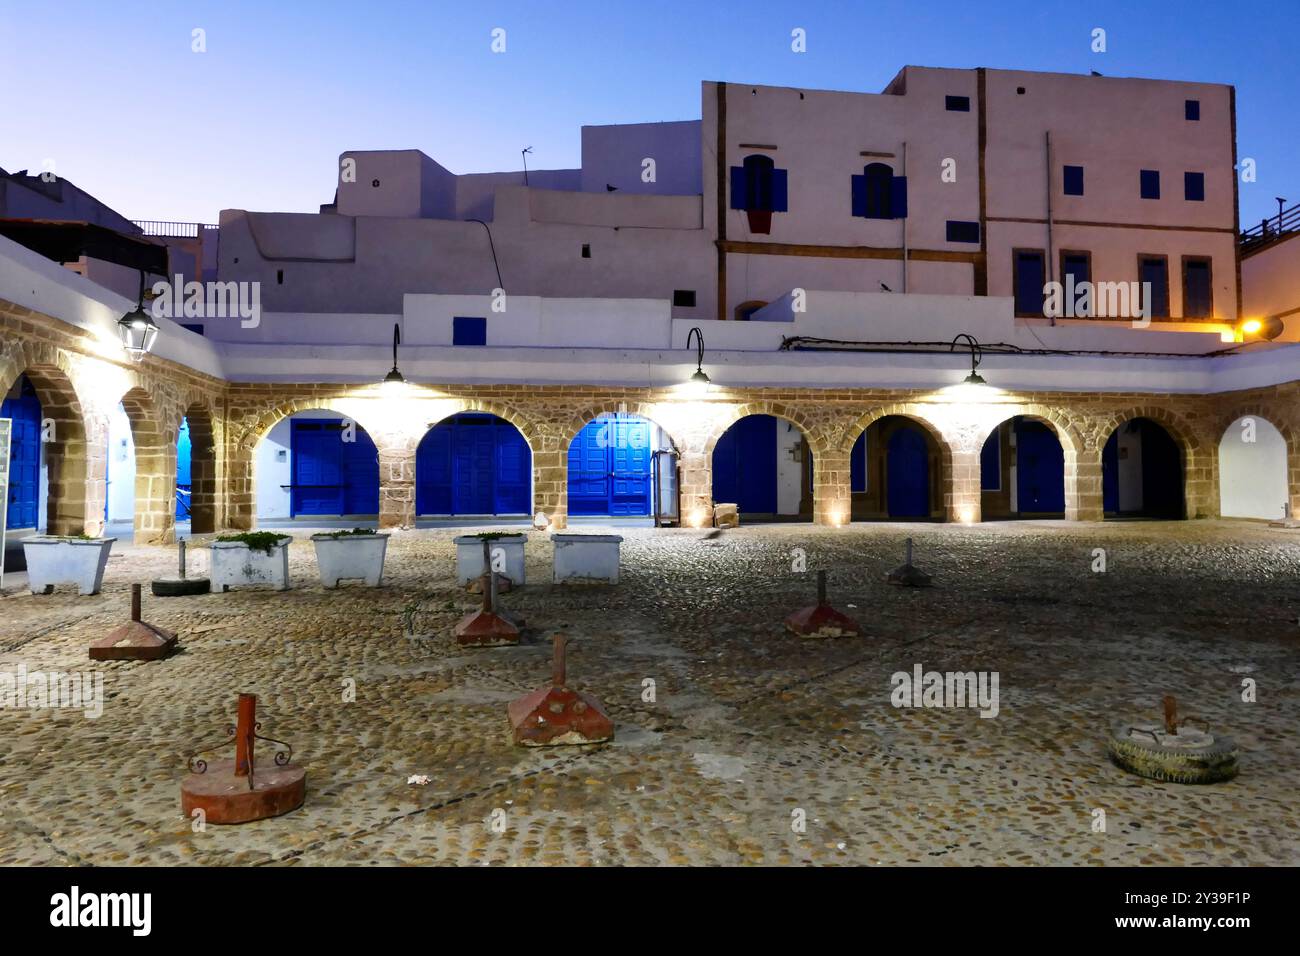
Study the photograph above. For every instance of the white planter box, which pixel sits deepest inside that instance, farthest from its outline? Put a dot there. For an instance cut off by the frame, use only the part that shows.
(586, 557)
(53, 560)
(350, 557)
(469, 557)
(234, 563)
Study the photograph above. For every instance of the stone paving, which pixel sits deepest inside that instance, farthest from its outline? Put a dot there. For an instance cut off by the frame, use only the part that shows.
(748, 725)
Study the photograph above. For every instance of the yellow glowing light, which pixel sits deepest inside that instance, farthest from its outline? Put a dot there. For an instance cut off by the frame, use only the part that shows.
(696, 518)
(1251, 326)
(1227, 335)
(966, 514)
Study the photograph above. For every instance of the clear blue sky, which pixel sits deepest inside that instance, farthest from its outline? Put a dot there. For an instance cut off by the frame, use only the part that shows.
(113, 94)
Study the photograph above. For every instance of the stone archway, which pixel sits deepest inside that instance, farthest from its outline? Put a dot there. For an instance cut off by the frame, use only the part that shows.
(959, 495)
(1258, 467)
(1197, 463)
(203, 467)
(154, 437)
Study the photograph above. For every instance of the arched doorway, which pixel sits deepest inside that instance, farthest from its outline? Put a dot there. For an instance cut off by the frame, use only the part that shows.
(1142, 472)
(1022, 471)
(895, 472)
(764, 465)
(473, 464)
(613, 463)
(196, 471)
(1253, 470)
(317, 465)
(47, 454)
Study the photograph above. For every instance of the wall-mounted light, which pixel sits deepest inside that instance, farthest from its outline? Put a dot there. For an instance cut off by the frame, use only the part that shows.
(976, 356)
(1259, 330)
(699, 382)
(137, 328)
(394, 384)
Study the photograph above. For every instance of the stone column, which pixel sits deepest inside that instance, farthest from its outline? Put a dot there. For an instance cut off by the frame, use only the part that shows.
(155, 483)
(240, 504)
(396, 481)
(961, 493)
(695, 478)
(832, 493)
(1086, 484)
(551, 476)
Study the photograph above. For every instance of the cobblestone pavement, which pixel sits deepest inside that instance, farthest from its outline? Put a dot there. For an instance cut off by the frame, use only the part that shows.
(749, 724)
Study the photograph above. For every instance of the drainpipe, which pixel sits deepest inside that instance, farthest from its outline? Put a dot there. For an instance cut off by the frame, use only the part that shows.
(1051, 258)
(904, 165)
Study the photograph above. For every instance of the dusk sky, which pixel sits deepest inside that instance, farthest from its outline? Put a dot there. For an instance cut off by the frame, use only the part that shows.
(113, 94)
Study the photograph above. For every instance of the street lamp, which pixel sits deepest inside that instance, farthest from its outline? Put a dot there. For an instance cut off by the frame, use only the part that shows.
(137, 328)
(976, 356)
(699, 381)
(394, 384)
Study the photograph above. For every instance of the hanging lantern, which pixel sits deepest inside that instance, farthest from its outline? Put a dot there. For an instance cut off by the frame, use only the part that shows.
(138, 331)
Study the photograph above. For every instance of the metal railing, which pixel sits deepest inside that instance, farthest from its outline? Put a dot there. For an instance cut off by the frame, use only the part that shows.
(171, 230)
(1284, 223)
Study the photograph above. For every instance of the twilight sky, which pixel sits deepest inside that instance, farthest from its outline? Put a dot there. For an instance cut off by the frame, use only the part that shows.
(113, 94)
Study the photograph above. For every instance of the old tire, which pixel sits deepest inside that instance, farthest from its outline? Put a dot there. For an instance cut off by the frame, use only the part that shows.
(178, 587)
(1191, 757)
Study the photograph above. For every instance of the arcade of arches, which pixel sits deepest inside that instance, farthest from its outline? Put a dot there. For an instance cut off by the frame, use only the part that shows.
(1119, 453)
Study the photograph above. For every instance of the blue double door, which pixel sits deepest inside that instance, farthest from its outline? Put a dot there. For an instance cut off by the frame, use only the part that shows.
(473, 465)
(335, 469)
(23, 507)
(610, 465)
(744, 465)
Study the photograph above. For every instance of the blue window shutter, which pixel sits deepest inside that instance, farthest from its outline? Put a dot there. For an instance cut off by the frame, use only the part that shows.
(859, 195)
(468, 330)
(898, 197)
(1194, 187)
(1150, 182)
(779, 198)
(737, 187)
(1072, 180)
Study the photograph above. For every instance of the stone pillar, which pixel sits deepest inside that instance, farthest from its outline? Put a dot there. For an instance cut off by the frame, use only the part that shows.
(155, 483)
(832, 493)
(1199, 499)
(551, 477)
(695, 478)
(241, 505)
(396, 482)
(204, 500)
(1086, 484)
(961, 493)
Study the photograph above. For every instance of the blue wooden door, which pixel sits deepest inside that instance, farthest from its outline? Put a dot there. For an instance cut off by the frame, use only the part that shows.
(609, 468)
(1040, 469)
(183, 483)
(332, 476)
(907, 482)
(744, 465)
(1110, 473)
(473, 465)
(23, 507)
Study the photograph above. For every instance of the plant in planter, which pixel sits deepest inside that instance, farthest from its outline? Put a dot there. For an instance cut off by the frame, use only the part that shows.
(254, 557)
(348, 555)
(66, 559)
(507, 547)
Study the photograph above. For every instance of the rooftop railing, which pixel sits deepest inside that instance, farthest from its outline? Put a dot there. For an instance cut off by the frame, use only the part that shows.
(1271, 229)
(171, 230)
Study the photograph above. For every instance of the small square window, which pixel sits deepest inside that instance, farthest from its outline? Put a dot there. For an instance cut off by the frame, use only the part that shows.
(957, 104)
(684, 298)
(468, 330)
(586, 250)
(279, 277)
(1192, 110)
(963, 231)
(1150, 183)
(1073, 180)
(1194, 187)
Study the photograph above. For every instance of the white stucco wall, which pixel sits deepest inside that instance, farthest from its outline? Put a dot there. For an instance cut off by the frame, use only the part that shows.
(121, 467)
(1252, 474)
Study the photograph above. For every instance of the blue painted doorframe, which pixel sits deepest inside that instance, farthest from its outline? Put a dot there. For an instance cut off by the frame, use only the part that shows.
(23, 507)
(1040, 469)
(473, 464)
(609, 468)
(331, 476)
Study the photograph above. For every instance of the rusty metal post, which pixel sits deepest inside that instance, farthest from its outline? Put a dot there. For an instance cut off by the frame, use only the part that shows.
(245, 721)
(558, 674)
(135, 603)
(909, 552)
(1171, 715)
(181, 545)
